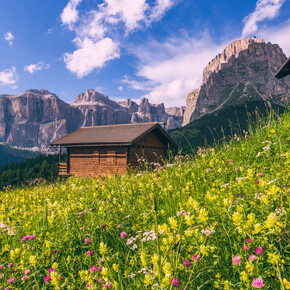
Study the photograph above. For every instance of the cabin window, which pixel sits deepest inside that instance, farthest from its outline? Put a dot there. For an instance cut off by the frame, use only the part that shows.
(111, 157)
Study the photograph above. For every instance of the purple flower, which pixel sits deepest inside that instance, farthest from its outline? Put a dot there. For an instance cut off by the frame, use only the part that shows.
(186, 263)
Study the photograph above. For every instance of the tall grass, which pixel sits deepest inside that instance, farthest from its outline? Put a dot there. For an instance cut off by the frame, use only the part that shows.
(216, 219)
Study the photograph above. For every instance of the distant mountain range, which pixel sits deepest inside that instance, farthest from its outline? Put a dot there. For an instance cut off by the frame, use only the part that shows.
(242, 74)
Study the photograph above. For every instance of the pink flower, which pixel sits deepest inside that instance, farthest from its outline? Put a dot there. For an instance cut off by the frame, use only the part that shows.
(195, 257)
(174, 281)
(260, 174)
(87, 241)
(258, 283)
(61, 278)
(27, 272)
(1, 267)
(259, 251)
(24, 278)
(54, 251)
(81, 213)
(93, 269)
(252, 258)
(47, 279)
(7, 288)
(99, 269)
(88, 285)
(51, 270)
(123, 235)
(10, 265)
(245, 248)
(108, 285)
(236, 260)
(257, 181)
(249, 241)
(11, 280)
(100, 280)
(89, 253)
(186, 263)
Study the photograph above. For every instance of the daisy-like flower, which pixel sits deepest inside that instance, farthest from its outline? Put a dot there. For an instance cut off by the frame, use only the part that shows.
(258, 283)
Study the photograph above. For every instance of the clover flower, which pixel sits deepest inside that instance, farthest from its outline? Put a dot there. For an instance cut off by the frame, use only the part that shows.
(47, 279)
(245, 248)
(249, 241)
(89, 253)
(87, 241)
(27, 272)
(24, 278)
(123, 235)
(258, 283)
(252, 258)
(174, 281)
(236, 260)
(259, 251)
(51, 270)
(107, 285)
(11, 280)
(93, 269)
(195, 257)
(186, 263)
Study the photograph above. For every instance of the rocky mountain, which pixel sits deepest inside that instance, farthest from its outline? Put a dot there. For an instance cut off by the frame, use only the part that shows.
(243, 72)
(37, 117)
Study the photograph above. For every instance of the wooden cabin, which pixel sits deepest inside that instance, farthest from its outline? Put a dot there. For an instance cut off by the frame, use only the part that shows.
(106, 150)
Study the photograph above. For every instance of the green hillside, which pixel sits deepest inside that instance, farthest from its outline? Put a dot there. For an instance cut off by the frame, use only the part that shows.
(9, 154)
(221, 124)
(215, 220)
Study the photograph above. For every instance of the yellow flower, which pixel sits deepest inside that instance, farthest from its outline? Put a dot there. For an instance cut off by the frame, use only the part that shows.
(273, 258)
(32, 260)
(103, 248)
(272, 131)
(286, 283)
(237, 218)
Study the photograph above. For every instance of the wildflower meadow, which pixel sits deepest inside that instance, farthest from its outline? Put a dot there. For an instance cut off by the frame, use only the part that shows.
(215, 219)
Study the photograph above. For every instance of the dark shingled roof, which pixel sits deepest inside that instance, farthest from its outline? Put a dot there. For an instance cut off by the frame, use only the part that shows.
(284, 70)
(112, 135)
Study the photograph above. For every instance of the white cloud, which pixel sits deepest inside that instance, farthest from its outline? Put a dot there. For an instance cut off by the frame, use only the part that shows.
(265, 9)
(173, 68)
(278, 34)
(8, 36)
(8, 77)
(90, 55)
(32, 68)
(111, 21)
(70, 15)
(120, 88)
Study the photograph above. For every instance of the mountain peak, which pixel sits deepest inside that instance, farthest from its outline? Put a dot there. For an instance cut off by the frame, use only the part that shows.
(232, 49)
(91, 97)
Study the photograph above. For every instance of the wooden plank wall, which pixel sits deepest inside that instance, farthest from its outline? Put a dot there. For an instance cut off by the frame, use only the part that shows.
(97, 161)
(150, 146)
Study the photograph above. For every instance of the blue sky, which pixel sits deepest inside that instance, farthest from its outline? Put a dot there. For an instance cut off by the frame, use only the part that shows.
(126, 48)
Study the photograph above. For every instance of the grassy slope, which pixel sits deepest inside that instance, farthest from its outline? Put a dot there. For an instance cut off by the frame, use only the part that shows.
(214, 126)
(218, 190)
(10, 155)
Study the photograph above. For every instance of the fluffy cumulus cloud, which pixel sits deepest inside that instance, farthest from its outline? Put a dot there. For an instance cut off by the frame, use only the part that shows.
(104, 26)
(32, 68)
(171, 69)
(70, 14)
(265, 9)
(8, 77)
(90, 55)
(8, 36)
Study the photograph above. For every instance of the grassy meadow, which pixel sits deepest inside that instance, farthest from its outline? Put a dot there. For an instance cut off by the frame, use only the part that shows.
(217, 219)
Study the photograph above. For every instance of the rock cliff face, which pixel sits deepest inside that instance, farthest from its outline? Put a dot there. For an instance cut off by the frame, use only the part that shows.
(37, 117)
(243, 72)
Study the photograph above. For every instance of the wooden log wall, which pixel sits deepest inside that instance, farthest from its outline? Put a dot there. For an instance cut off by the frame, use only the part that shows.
(150, 146)
(89, 161)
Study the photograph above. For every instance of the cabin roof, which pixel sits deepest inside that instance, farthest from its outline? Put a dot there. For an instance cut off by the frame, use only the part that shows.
(284, 70)
(112, 135)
